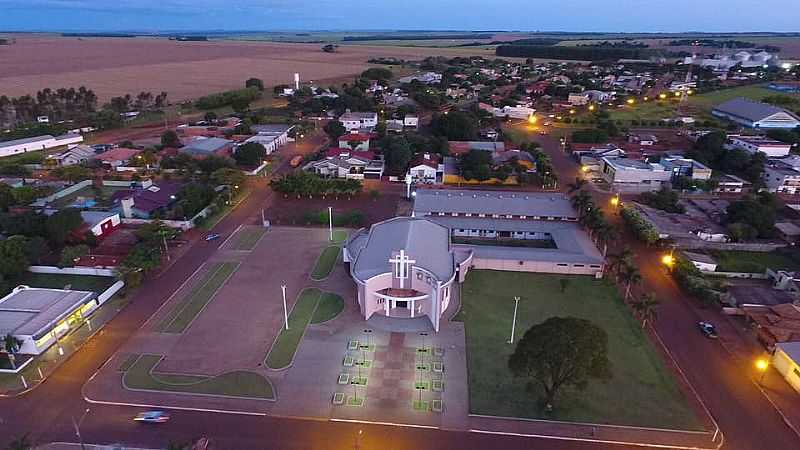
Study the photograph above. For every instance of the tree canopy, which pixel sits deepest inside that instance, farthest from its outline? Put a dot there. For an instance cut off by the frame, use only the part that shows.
(254, 83)
(250, 154)
(170, 138)
(334, 129)
(560, 352)
(456, 126)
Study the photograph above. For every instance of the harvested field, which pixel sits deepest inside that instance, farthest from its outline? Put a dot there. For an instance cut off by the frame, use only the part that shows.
(185, 70)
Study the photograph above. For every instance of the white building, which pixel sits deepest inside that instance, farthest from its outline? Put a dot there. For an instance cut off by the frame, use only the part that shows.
(411, 121)
(426, 168)
(33, 144)
(358, 120)
(754, 144)
(578, 99)
(753, 114)
(514, 112)
(76, 155)
(634, 175)
(704, 263)
(786, 361)
(272, 137)
(38, 317)
(424, 78)
(343, 163)
(783, 175)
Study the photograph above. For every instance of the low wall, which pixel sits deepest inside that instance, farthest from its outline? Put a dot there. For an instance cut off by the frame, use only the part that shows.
(697, 244)
(72, 271)
(64, 192)
(182, 224)
(257, 169)
(757, 276)
(108, 293)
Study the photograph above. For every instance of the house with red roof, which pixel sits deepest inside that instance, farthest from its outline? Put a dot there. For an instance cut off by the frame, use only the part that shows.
(355, 141)
(426, 168)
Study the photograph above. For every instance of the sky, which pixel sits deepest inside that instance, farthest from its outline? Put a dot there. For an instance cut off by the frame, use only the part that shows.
(530, 15)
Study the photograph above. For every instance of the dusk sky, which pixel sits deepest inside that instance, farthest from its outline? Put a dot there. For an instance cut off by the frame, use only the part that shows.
(531, 15)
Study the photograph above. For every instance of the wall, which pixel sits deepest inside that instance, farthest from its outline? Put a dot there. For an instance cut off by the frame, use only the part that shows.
(182, 224)
(533, 266)
(786, 367)
(72, 271)
(758, 276)
(693, 244)
(64, 192)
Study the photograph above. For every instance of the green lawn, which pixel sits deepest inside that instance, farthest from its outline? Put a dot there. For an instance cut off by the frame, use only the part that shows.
(641, 392)
(325, 263)
(76, 282)
(755, 262)
(286, 343)
(339, 236)
(710, 99)
(238, 383)
(190, 306)
(328, 307)
(248, 238)
(650, 111)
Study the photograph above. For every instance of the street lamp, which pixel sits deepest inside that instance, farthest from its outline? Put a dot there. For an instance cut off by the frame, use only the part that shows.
(514, 320)
(77, 425)
(532, 119)
(285, 313)
(630, 101)
(662, 96)
(762, 365)
(615, 201)
(591, 107)
(668, 260)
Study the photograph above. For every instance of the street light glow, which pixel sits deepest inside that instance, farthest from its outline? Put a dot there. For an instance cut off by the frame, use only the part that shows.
(631, 101)
(762, 364)
(584, 169)
(572, 111)
(591, 107)
(662, 96)
(615, 200)
(668, 260)
(532, 119)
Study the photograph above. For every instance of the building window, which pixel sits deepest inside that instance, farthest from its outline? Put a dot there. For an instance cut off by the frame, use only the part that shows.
(594, 266)
(379, 301)
(577, 265)
(562, 265)
(468, 214)
(796, 372)
(419, 275)
(428, 280)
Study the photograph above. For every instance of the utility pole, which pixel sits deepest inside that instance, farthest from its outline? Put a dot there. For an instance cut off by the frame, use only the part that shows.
(514, 321)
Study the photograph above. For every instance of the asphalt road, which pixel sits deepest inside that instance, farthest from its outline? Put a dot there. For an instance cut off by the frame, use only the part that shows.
(726, 385)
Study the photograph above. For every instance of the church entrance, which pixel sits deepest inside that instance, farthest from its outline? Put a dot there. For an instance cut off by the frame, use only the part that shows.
(401, 304)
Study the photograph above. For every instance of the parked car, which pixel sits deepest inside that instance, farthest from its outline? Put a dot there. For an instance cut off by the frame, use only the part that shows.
(708, 330)
(212, 236)
(152, 417)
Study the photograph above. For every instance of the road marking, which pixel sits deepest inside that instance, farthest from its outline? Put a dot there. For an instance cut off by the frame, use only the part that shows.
(387, 424)
(231, 236)
(180, 408)
(596, 441)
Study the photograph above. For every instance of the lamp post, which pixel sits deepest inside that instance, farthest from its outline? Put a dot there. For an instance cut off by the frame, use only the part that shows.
(514, 320)
(358, 439)
(285, 313)
(77, 425)
(330, 222)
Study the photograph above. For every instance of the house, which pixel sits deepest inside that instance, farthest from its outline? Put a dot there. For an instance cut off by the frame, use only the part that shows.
(509, 112)
(591, 159)
(497, 226)
(32, 144)
(643, 139)
(355, 141)
(520, 157)
(117, 157)
(786, 360)
(75, 155)
(101, 223)
(358, 120)
(426, 168)
(782, 175)
(774, 324)
(755, 144)
(424, 78)
(271, 136)
(703, 262)
(411, 121)
(405, 268)
(578, 99)
(685, 167)
(788, 231)
(146, 201)
(346, 163)
(754, 114)
(599, 96)
(633, 175)
(201, 147)
(39, 317)
(682, 86)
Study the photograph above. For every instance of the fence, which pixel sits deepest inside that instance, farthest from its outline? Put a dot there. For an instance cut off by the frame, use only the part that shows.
(63, 193)
(72, 271)
(757, 276)
(697, 244)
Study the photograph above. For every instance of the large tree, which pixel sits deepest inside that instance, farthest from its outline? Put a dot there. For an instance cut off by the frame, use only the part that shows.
(559, 352)
(170, 138)
(250, 154)
(456, 126)
(254, 83)
(334, 129)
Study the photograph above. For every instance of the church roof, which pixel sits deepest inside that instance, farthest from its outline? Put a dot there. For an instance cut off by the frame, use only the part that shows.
(424, 241)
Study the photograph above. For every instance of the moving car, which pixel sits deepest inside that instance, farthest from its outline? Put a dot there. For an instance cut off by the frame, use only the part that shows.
(708, 330)
(152, 417)
(212, 236)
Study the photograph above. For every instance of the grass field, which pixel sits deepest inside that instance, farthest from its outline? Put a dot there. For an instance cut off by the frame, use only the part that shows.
(190, 306)
(286, 343)
(140, 375)
(248, 238)
(328, 307)
(325, 263)
(641, 391)
(76, 282)
(710, 99)
(339, 236)
(754, 262)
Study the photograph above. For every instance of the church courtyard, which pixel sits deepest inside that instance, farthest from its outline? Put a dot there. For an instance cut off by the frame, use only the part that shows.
(642, 391)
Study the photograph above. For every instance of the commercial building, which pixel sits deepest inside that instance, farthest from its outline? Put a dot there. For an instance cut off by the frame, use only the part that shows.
(754, 114)
(38, 317)
(634, 175)
(201, 147)
(36, 143)
(754, 144)
(783, 175)
(786, 360)
(679, 166)
(272, 137)
(526, 232)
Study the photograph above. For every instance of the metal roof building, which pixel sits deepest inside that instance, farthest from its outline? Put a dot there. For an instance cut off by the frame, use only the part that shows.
(754, 114)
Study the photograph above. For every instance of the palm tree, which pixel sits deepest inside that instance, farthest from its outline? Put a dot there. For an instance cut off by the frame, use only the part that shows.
(630, 275)
(605, 233)
(581, 200)
(618, 260)
(646, 307)
(20, 443)
(11, 344)
(577, 185)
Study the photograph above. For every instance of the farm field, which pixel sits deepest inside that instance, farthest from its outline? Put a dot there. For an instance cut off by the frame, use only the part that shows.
(185, 70)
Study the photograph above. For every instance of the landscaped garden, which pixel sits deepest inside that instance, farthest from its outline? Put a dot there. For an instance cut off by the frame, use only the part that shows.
(248, 238)
(325, 263)
(641, 390)
(313, 306)
(139, 374)
(190, 306)
(75, 282)
(754, 262)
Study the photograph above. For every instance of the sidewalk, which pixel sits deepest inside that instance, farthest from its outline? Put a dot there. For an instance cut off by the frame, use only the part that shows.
(43, 365)
(76, 446)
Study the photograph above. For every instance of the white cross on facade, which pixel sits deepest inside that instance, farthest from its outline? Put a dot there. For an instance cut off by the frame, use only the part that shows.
(401, 266)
